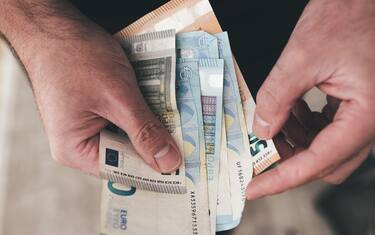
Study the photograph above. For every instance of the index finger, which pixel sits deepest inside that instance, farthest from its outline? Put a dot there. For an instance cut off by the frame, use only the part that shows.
(349, 132)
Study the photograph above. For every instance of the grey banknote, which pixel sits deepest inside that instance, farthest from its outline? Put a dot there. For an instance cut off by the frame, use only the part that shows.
(153, 58)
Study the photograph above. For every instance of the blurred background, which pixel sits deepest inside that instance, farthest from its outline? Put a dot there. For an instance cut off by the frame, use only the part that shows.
(38, 197)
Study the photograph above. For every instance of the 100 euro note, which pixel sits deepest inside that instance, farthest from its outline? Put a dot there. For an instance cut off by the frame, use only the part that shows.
(153, 58)
(127, 210)
(192, 15)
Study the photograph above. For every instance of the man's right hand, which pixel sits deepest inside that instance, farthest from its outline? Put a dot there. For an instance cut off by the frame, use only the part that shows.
(82, 80)
(332, 47)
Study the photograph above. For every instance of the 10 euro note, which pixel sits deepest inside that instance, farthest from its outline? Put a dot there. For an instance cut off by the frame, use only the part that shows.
(128, 210)
(153, 58)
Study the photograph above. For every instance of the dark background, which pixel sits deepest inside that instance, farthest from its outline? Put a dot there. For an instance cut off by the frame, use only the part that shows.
(258, 30)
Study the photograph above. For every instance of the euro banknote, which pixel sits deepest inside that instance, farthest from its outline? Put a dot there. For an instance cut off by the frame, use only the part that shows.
(193, 15)
(211, 78)
(240, 166)
(124, 209)
(204, 47)
(128, 210)
(200, 44)
(224, 209)
(198, 15)
(153, 57)
(189, 104)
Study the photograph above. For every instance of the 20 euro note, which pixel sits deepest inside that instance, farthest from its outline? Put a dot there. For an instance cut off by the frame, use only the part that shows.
(239, 158)
(224, 210)
(189, 104)
(153, 58)
(201, 45)
(192, 15)
(211, 78)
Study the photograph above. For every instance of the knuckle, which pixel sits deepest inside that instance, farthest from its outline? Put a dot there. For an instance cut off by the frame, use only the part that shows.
(150, 133)
(303, 48)
(118, 87)
(267, 100)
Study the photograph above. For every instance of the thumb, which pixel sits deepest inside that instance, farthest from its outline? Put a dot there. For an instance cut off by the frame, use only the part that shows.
(289, 79)
(149, 137)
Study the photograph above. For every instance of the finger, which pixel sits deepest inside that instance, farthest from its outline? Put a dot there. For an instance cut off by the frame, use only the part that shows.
(341, 173)
(289, 79)
(128, 110)
(90, 165)
(333, 145)
(86, 152)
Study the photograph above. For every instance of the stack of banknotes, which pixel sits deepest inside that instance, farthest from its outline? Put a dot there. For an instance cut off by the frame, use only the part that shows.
(191, 82)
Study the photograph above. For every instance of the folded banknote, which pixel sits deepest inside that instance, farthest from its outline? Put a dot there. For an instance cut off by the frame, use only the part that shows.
(211, 112)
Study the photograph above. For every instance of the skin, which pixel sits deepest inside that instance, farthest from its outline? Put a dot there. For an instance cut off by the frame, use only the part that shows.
(332, 47)
(82, 80)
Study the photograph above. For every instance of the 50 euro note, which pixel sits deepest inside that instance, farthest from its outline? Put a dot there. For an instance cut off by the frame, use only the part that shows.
(192, 15)
(154, 61)
(127, 210)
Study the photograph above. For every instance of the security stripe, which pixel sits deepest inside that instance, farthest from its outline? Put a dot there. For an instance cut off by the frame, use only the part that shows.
(149, 186)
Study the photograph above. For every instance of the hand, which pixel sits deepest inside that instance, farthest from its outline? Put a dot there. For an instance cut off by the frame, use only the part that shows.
(82, 79)
(332, 47)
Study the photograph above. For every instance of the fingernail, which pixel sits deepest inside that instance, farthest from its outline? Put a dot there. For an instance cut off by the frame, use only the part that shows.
(168, 159)
(261, 127)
